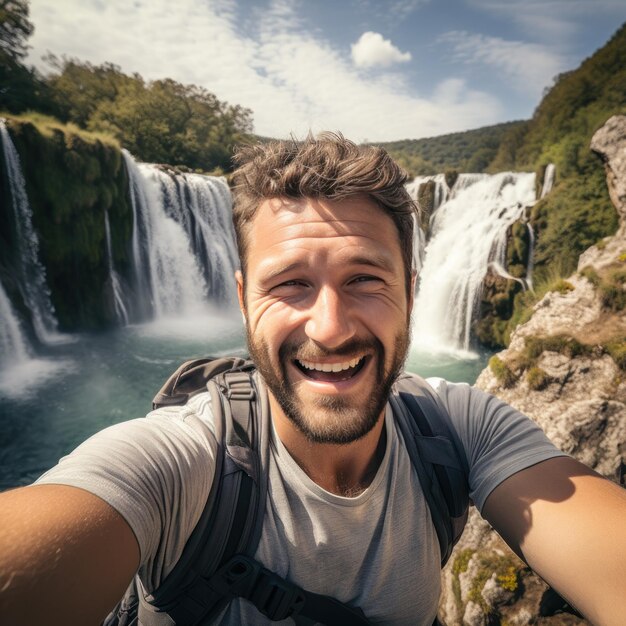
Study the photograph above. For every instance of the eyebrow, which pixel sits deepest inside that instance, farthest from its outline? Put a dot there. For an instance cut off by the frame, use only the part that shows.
(378, 261)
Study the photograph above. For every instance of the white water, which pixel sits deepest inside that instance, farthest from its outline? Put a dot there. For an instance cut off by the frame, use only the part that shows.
(468, 232)
(183, 246)
(13, 343)
(117, 293)
(31, 273)
(202, 204)
(548, 180)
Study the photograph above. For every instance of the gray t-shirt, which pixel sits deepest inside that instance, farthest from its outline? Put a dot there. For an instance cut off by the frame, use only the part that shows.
(378, 550)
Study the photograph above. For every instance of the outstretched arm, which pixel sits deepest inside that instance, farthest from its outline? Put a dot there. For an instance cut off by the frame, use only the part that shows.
(569, 524)
(66, 556)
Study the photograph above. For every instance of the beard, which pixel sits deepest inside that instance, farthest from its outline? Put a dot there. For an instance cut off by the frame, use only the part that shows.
(330, 418)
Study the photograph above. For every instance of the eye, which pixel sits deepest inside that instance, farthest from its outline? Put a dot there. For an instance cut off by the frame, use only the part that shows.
(288, 288)
(366, 281)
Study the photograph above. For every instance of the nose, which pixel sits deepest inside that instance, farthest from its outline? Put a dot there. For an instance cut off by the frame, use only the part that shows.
(329, 322)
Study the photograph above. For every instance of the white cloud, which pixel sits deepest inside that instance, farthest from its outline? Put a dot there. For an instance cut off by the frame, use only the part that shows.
(526, 67)
(556, 21)
(373, 50)
(292, 80)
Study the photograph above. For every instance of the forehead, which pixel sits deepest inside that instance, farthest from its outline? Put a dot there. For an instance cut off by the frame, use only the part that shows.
(289, 223)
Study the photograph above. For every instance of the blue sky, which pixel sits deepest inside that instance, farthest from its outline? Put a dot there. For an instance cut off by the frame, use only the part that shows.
(375, 70)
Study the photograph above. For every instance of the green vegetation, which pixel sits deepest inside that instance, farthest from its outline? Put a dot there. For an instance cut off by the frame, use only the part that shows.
(617, 350)
(561, 343)
(459, 566)
(72, 179)
(161, 121)
(21, 87)
(506, 568)
(576, 214)
(537, 378)
(611, 285)
(469, 151)
(503, 373)
(158, 121)
(508, 373)
(578, 211)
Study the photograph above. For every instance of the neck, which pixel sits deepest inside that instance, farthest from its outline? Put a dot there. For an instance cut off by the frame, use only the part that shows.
(343, 469)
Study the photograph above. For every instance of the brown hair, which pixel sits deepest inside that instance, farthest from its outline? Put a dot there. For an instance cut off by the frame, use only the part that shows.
(328, 166)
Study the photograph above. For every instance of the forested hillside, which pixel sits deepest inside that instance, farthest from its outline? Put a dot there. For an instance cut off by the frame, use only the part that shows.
(469, 151)
(578, 211)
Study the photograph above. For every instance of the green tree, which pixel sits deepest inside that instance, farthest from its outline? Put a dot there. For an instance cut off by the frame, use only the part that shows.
(15, 29)
(161, 121)
(20, 87)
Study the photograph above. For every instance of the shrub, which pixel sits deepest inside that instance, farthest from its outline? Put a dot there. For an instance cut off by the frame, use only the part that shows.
(612, 296)
(537, 378)
(591, 275)
(563, 286)
(502, 372)
(563, 344)
(617, 350)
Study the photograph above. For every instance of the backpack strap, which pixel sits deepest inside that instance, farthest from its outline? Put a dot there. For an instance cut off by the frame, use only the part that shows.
(217, 563)
(233, 514)
(437, 456)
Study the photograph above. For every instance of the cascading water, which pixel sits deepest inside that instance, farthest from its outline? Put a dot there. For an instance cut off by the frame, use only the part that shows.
(440, 195)
(31, 273)
(548, 180)
(117, 293)
(183, 246)
(203, 205)
(468, 232)
(14, 346)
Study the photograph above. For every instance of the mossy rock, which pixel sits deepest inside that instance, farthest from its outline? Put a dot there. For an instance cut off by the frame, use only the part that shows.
(537, 378)
(617, 350)
(70, 183)
(503, 373)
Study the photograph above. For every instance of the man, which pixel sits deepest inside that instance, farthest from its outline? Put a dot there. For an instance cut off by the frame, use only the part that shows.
(325, 231)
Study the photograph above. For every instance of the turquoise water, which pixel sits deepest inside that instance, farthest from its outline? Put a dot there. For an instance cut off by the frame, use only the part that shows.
(52, 403)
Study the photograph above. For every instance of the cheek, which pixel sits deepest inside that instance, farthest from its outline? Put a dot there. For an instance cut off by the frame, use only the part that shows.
(273, 321)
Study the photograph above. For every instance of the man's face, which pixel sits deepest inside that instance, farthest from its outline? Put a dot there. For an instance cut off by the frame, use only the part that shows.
(326, 310)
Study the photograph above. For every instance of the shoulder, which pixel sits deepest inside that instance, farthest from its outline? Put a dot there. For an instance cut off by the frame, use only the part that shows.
(148, 468)
(497, 439)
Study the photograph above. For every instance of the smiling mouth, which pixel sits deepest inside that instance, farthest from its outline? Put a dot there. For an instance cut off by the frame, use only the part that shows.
(331, 372)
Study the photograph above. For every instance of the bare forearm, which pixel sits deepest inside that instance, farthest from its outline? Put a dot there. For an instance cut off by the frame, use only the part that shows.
(65, 556)
(568, 523)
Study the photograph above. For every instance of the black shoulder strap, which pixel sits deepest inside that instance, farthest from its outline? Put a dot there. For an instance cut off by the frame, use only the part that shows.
(437, 456)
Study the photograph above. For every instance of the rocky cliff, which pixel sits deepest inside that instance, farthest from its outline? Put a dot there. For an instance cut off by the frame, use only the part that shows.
(565, 368)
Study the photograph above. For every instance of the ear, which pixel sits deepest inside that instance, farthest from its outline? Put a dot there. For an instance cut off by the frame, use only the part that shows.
(412, 292)
(240, 294)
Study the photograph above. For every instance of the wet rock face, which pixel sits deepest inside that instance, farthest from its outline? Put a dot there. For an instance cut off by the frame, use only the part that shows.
(579, 401)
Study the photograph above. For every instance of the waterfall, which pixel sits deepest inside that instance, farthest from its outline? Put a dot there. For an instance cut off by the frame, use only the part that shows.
(548, 180)
(117, 293)
(31, 273)
(439, 197)
(183, 246)
(468, 232)
(13, 344)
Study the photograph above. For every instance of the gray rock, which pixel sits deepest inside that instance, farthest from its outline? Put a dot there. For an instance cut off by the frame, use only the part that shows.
(473, 615)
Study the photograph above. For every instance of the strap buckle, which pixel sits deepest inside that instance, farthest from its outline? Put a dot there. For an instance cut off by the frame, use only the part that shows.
(272, 595)
(238, 386)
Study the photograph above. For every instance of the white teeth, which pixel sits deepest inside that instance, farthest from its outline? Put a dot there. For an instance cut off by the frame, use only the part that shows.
(330, 367)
